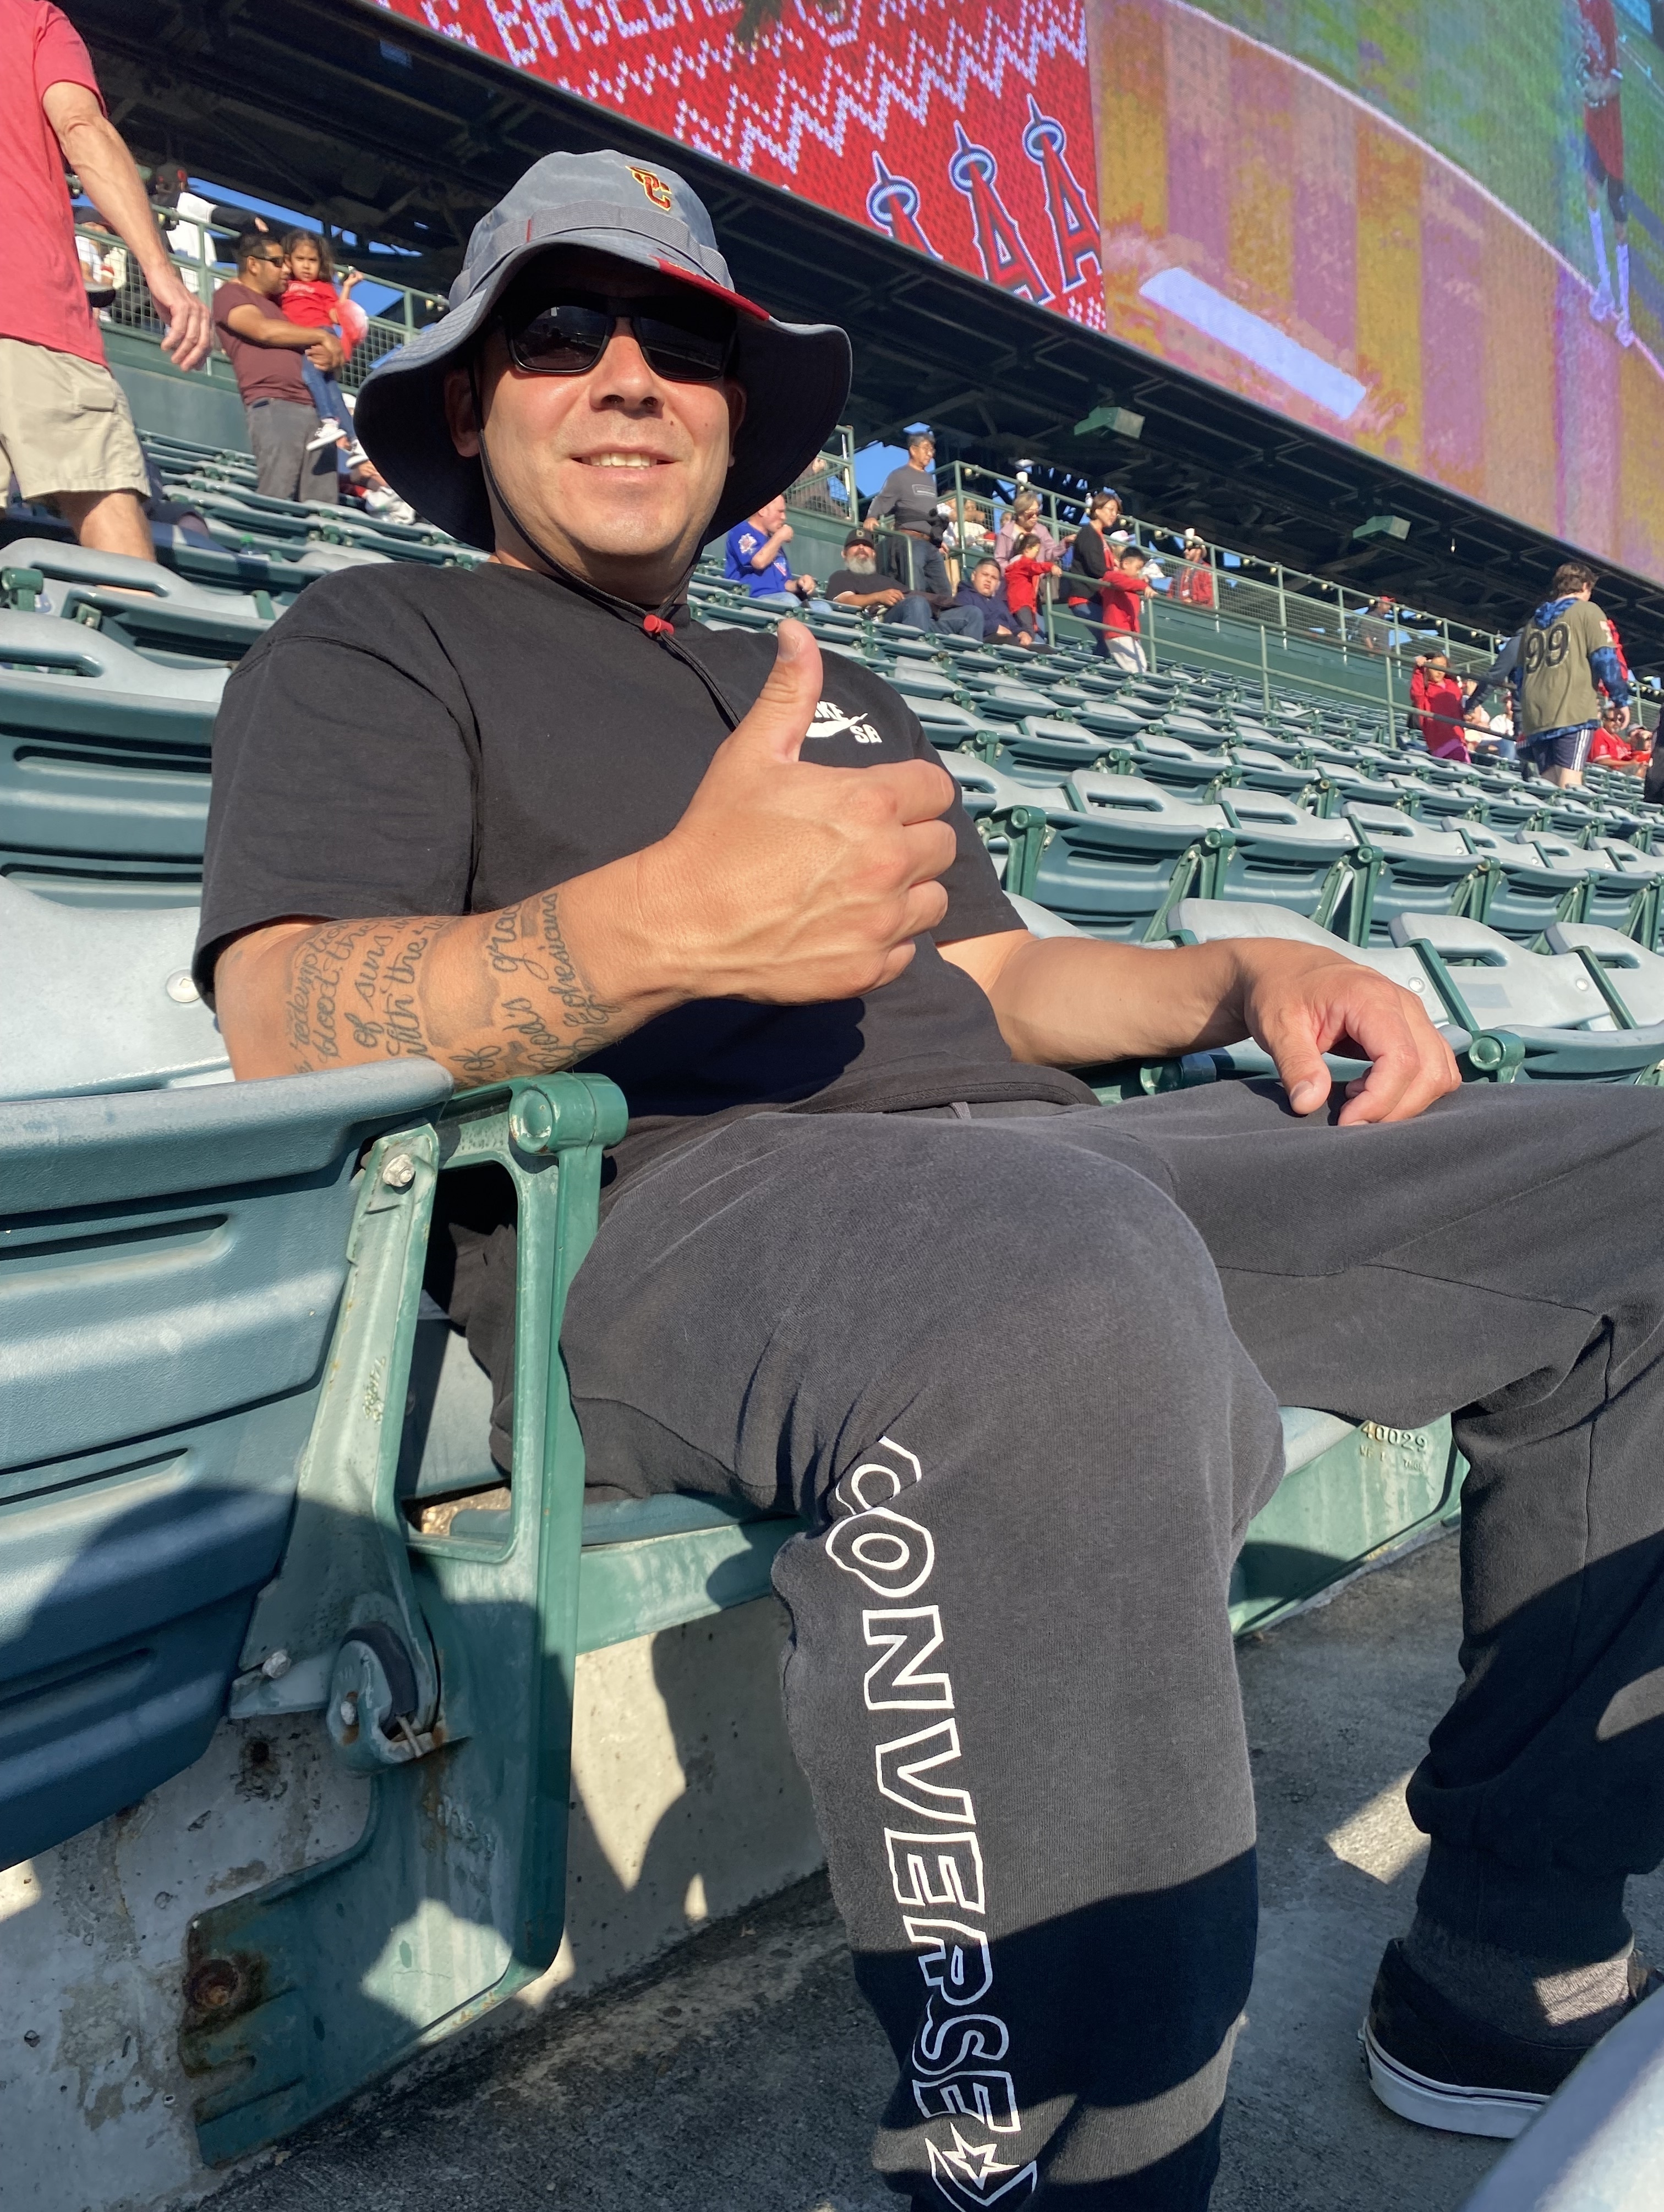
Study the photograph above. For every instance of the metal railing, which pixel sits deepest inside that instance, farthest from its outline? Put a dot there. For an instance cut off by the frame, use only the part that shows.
(1260, 619)
(203, 269)
(827, 485)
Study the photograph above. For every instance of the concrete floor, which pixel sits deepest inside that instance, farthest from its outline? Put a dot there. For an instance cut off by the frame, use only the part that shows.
(652, 2098)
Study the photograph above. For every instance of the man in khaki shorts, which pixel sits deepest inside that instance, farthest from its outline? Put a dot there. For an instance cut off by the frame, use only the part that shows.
(65, 431)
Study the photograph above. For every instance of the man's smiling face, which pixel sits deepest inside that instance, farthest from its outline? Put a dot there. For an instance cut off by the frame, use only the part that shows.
(615, 472)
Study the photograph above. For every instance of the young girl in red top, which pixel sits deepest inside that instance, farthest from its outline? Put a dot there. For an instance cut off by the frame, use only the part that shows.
(311, 299)
(1022, 583)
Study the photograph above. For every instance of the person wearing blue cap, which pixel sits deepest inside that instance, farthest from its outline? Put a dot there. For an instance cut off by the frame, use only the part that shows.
(870, 1253)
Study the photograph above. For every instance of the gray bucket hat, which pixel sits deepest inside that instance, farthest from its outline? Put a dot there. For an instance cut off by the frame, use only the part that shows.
(795, 375)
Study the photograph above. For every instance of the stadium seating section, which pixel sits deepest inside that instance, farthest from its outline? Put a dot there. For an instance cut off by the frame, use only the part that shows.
(216, 1517)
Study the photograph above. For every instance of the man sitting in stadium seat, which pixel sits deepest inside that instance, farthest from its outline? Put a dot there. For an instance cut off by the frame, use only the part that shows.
(755, 555)
(860, 584)
(870, 1254)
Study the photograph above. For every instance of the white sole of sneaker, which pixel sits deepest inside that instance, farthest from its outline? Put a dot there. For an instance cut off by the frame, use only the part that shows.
(1503, 2113)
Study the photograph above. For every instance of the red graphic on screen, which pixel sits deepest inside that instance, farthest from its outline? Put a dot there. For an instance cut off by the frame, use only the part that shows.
(960, 128)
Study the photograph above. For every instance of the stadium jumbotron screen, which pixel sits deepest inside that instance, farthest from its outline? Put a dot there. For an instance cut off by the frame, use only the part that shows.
(1431, 229)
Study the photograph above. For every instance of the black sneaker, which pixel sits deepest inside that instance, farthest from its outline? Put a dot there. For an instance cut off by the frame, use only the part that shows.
(1433, 2063)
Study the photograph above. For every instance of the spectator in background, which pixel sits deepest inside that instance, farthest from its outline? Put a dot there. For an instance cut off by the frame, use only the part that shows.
(860, 584)
(983, 592)
(914, 558)
(1375, 625)
(1568, 657)
(907, 495)
(1196, 577)
(65, 431)
(1025, 520)
(1122, 597)
(1438, 707)
(265, 351)
(1616, 745)
(1026, 575)
(1089, 557)
(756, 557)
(312, 298)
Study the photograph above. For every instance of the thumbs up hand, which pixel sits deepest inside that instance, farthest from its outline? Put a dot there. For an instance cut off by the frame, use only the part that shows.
(790, 883)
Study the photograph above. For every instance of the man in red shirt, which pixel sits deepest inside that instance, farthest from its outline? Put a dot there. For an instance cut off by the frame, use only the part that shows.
(265, 351)
(65, 432)
(1122, 592)
(1196, 577)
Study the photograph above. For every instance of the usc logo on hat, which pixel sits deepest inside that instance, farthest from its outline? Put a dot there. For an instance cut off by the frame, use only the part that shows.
(655, 188)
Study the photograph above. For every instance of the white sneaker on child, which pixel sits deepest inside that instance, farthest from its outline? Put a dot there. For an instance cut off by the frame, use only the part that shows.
(327, 432)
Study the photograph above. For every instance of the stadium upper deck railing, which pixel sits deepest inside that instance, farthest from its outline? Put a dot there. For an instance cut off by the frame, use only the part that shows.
(132, 309)
(1247, 595)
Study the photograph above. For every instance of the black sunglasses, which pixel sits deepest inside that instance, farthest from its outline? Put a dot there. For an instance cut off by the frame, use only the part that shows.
(682, 338)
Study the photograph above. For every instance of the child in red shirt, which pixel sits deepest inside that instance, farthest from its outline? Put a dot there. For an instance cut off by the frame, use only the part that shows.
(311, 299)
(1120, 593)
(1022, 583)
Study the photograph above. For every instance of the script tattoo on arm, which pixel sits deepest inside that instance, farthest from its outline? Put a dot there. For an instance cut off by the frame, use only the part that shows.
(488, 996)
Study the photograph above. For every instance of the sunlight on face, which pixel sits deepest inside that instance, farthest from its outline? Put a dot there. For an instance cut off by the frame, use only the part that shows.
(615, 473)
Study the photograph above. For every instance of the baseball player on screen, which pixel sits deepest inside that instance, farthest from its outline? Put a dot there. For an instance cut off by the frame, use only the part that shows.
(1599, 77)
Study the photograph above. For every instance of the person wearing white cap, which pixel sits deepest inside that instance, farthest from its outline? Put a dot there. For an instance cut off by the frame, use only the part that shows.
(871, 1254)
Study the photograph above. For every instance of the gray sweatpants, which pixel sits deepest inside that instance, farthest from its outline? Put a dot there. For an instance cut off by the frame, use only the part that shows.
(1022, 1371)
(279, 430)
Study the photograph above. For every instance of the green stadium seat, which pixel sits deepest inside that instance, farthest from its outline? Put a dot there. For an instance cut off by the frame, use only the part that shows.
(142, 605)
(172, 1263)
(1409, 868)
(1488, 980)
(107, 1007)
(104, 766)
(1311, 866)
(1633, 973)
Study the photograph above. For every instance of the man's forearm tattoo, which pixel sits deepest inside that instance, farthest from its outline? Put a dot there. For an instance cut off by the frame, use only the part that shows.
(370, 977)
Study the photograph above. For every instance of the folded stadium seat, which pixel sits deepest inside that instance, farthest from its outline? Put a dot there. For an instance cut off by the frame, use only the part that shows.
(1631, 974)
(1514, 810)
(1264, 770)
(1207, 920)
(171, 1265)
(138, 603)
(1243, 804)
(1408, 868)
(1187, 767)
(104, 767)
(1490, 982)
(945, 725)
(916, 680)
(1043, 746)
(1115, 872)
(1012, 702)
(1120, 792)
(123, 1012)
(1619, 893)
(1312, 867)
(1523, 892)
(1107, 718)
(225, 568)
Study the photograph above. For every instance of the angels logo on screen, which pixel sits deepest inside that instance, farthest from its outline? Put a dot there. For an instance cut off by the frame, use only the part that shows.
(962, 129)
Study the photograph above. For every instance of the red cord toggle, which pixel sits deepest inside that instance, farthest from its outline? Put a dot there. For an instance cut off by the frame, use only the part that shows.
(656, 626)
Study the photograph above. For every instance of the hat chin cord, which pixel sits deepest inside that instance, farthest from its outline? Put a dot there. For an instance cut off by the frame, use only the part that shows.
(657, 625)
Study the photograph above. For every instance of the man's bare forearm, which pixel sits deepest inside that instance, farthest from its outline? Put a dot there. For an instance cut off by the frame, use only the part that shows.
(487, 996)
(1072, 1001)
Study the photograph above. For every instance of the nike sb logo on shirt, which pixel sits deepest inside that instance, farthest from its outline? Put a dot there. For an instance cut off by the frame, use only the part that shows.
(831, 721)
